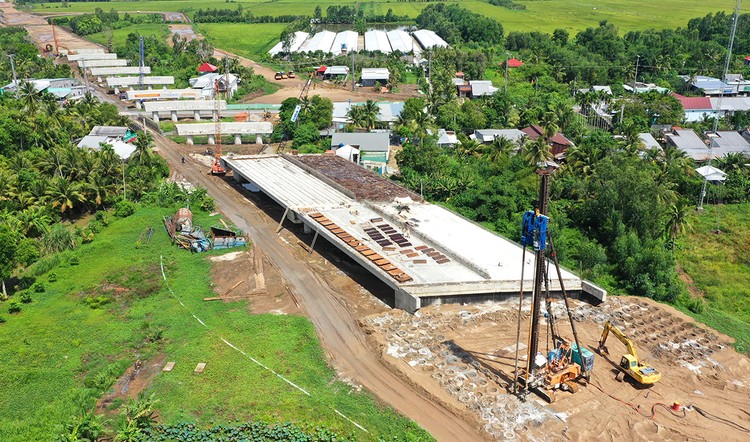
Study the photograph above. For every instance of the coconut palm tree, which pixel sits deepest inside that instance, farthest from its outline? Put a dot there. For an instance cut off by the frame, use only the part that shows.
(469, 147)
(538, 151)
(65, 194)
(35, 221)
(677, 221)
(370, 110)
(500, 148)
(29, 96)
(143, 153)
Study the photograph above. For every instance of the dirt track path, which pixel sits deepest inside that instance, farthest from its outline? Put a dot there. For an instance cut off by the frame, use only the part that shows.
(338, 330)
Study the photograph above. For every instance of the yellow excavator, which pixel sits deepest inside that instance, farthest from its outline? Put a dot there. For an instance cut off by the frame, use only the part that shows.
(639, 370)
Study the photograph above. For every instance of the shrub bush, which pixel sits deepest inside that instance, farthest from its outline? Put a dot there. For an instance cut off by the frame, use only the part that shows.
(25, 297)
(2, 320)
(124, 208)
(38, 287)
(14, 306)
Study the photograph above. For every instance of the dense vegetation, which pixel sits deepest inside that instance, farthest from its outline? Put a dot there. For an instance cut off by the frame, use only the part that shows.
(334, 14)
(87, 24)
(456, 25)
(27, 61)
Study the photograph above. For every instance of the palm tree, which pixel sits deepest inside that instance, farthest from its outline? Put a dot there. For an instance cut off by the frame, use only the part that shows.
(29, 96)
(469, 147)
(36, 221)
(500, 148)
(142, 154)
(97, 188)
(677, 222)
(370, 110)
(65, 194)
(581, 158)
(538, 151)
(7, 185)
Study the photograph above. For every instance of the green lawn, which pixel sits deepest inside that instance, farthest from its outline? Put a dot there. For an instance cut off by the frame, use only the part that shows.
(720, 267)
(248, 40)
(120, 35)
(541, 15)
(58, 349)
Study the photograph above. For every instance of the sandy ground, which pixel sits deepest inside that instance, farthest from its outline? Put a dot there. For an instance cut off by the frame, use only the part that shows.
(41, 33)
(464, 356)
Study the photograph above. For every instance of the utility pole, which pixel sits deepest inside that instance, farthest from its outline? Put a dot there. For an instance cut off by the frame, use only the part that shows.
(505, 86)
(635, 77)
(85, 77)
(721, 96)
(141, 64)
(352, 72)
(13, 68)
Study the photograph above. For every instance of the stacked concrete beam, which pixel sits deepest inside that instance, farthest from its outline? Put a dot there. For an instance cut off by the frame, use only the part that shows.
(111, 63)
(94, 56)
(116, 82)
(233, 129)
(127, 70)
(193, 106)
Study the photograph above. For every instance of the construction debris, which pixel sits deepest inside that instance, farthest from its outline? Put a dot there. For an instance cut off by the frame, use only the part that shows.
(191, 237)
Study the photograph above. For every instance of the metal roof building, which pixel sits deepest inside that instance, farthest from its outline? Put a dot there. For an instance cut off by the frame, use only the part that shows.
(322, 41)
(689, 142)
(728, 141)
(297, 42)
(348, 40)
(377, 41)
(428, 39)
(400, 41)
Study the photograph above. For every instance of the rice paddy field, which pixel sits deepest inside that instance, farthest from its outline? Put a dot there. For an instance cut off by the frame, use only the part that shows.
(540, 15)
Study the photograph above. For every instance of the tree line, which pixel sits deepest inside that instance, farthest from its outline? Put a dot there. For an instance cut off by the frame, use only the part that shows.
(334, 15)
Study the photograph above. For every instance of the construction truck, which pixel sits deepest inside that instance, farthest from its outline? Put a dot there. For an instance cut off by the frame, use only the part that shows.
(629, 365)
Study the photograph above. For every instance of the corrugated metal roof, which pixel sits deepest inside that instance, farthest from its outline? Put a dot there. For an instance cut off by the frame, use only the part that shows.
(429, 39)
(366, 142)
(348, 38)
(337, 70)
(375, 73)
(322, 41)
(693, 103)
(400, 41)
(377, 41)
(297, 42)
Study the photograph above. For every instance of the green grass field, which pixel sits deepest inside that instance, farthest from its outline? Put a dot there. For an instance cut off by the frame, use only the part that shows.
(58, 349)
(542, 15)
(720, 267)
(249, 40)
(120, 35)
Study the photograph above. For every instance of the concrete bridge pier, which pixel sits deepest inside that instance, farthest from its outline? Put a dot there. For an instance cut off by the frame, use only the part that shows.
(197, 115)
(212, 139)
(237, 139)
(174, 115)
(155, 116)
(258, 139)
(190, 140)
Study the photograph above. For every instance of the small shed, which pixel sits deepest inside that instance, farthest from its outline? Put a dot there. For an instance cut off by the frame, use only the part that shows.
(711, 173)
(336, 72)
(372, 76)
(207, 67)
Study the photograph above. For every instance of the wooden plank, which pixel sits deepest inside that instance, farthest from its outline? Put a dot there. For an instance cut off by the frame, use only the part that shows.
(168, 367)
(420, 261)
(200, 367)
(382, 262)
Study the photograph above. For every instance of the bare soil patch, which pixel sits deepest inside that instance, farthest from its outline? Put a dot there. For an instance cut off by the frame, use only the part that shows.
(464, 356)
(135, 380)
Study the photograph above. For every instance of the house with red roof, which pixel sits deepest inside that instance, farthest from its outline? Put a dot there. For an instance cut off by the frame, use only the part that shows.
(513, 63)
(558, 143)
(696, 108)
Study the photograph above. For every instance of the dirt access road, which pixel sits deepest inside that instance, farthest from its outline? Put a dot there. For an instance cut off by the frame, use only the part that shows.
(337, 328)
(291, 88)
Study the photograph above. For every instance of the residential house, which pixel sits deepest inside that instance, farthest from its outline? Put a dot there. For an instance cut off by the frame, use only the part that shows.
(696, 108)
(112, 135)
(447, 139)
(62, 88)
(689, 142)
(487, 136)
(212, 82)
(710, 85)
(641, 88)
(388, 112)
(374, 148)
(512, 63)
(373, 76)
(558, 143)
(738, 84)
(482, 88)
(726, 142)
(711, 173)
(648, 140)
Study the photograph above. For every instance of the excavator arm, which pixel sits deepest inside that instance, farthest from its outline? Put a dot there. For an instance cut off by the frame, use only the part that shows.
(608, 327)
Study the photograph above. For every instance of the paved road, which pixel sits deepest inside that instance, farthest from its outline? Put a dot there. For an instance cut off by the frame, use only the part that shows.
(336, 327)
